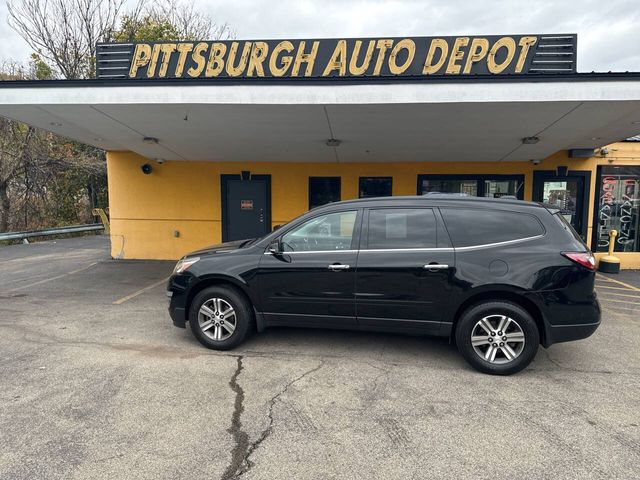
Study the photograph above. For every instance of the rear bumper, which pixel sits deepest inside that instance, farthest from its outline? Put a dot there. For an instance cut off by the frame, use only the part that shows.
(565, 320)
(568, 333)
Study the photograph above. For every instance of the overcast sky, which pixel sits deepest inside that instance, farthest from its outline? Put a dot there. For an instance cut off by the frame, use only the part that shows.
(608, 30)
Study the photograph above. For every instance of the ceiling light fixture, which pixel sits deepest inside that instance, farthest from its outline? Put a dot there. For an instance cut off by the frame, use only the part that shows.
(55, 124)
(635, 122)
(530, 140)
(150, 140)
(333, 142)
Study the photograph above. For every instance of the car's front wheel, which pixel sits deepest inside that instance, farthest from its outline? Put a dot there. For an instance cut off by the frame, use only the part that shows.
(220, 317)
(497, 337)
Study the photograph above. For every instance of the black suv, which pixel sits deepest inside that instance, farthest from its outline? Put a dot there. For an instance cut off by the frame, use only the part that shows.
(497, 276)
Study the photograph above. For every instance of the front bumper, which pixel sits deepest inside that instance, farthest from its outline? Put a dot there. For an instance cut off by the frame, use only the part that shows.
(177, 310)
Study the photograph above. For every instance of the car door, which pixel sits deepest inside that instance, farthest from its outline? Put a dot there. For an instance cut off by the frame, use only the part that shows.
(312, 281)
(405, 266)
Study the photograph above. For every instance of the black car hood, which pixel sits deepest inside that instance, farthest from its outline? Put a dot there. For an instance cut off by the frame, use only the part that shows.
(219, 248)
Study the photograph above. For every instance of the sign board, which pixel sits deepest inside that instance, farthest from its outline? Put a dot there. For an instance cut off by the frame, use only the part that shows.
(350, 58)
(246, 204)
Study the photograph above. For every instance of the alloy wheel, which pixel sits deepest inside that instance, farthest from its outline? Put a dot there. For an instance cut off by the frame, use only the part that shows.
(217, 319)
(497, 339)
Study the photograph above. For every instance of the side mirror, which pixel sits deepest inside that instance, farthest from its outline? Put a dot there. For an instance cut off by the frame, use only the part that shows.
(275, 247)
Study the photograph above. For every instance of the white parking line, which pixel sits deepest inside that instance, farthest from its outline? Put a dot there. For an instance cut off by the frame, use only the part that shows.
(120, 301)
(53, 278)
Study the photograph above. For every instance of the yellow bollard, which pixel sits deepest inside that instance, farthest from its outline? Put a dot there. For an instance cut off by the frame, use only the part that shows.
(610, 263)
(99, 212)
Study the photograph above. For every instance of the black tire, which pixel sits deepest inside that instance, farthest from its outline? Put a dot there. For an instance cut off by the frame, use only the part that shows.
(243, 317)
(468, 325)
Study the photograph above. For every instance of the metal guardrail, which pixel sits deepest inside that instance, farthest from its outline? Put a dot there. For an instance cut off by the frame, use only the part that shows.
(91, 227)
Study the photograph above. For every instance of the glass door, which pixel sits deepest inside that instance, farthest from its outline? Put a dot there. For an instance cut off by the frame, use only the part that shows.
(566, 193)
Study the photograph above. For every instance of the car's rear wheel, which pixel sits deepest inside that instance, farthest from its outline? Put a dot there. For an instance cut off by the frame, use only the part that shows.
(220, 317)
(497, 337)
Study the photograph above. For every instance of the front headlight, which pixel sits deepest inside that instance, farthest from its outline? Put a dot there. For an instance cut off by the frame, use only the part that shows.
(184, 264)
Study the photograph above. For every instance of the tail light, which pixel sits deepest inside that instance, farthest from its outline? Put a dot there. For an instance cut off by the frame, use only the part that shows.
(586, 259)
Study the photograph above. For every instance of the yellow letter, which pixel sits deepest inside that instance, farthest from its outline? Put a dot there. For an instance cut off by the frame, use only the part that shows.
(183, 50)
(478, 50)
(198, 57)
(456, 54)
(338, 60)
(285, 46)
(308, 58)
(440, 44)
(382, 46)
(236, 71)
(258, 54)
(167, 50)
(410, 46)
(525, 43)
(354, 69)
(155, 52)
(141, 58)
(506, 42)
(216, 62)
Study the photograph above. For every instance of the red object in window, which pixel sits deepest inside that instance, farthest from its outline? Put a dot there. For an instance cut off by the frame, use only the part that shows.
(586, 259)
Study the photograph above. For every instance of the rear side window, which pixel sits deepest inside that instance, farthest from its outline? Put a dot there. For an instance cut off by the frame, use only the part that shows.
(392, 228)
(468, 227)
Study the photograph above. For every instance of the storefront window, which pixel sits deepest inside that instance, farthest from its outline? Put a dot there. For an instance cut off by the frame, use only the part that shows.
(375, 187)
(618, 208)
(493, 186)
(323, 190)
(501, 188)
(468, 187)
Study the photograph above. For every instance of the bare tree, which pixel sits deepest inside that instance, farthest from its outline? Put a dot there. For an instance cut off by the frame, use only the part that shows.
(190, 24)
(65, 32)
(15, 139)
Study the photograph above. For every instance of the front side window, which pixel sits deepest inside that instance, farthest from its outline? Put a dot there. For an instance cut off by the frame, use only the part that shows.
(470, 227)
(333, 231)
(619, 208)
(392, 228)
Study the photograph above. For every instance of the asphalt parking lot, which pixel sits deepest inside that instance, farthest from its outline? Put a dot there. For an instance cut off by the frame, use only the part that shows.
(97, 383)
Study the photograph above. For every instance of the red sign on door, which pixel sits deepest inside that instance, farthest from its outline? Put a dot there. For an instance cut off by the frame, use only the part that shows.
(246, 204)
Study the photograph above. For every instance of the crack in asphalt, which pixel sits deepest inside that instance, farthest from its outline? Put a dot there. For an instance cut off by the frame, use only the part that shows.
(240, 437)
(242, 451)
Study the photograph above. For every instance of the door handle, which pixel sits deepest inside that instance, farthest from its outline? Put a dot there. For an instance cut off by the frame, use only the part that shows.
(436, 266)
(338, 267)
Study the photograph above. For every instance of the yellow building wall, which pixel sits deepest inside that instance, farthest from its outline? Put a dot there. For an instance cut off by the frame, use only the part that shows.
(177, 208)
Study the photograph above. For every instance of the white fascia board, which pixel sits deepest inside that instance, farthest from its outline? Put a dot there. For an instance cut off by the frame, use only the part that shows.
(414, 93)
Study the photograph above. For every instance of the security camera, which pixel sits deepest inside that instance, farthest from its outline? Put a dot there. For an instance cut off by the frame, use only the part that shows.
(604, 152)
(535, 162)
(146, 169)
(159, 161)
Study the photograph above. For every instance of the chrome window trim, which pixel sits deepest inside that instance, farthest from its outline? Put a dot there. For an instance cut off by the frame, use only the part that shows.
(434, 249)
(417, 249)
(499, 244)
(311, 251)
